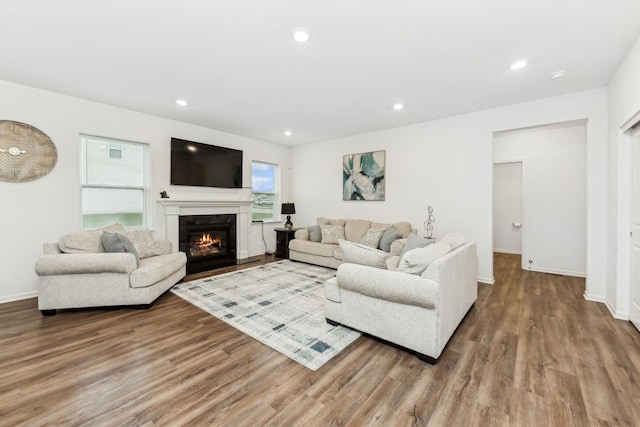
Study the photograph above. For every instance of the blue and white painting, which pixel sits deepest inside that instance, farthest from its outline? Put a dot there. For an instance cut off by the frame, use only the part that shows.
(363, 176)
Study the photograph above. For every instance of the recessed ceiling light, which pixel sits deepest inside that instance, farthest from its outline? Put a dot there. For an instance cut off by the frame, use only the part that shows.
(557, 76)
(288, 133)
(398, 106)
(300, 35)
(518, 65)
(182, 102)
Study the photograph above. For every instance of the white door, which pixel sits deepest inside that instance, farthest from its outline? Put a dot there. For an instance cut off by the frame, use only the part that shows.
(634, 314)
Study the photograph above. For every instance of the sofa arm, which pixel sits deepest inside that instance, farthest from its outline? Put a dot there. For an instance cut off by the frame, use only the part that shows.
(393, 286)
(51, 265)
(302, 234)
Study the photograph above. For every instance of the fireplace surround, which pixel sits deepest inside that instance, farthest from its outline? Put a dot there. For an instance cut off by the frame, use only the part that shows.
(238, 204)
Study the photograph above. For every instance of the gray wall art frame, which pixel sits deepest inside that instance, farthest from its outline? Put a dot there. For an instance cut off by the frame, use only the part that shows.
(363, 176)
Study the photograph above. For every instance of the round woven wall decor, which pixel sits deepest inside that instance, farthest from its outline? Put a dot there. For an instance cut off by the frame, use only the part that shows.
(26, 153)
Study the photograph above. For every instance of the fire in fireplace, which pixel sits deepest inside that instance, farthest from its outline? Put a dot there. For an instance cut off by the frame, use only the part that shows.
(205, 244)
(208, 240)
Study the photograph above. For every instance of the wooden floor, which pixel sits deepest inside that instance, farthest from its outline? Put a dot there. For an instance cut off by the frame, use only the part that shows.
(531, 351)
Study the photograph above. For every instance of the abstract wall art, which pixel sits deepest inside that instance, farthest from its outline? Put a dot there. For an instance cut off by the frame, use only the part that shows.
(363, 176)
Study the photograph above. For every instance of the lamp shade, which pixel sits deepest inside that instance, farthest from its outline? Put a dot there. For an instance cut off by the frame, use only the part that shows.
(288, 208)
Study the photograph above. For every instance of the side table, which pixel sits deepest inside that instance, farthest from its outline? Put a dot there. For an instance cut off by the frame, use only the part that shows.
(283, 237)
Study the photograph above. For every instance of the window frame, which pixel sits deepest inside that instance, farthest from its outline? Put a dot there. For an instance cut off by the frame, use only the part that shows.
(276, 217)
(144, 188)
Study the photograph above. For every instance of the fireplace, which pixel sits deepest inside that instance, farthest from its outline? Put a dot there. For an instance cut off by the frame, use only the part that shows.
(208, 240)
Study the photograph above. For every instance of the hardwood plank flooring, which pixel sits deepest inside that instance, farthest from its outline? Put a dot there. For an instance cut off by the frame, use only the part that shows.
(531, 351)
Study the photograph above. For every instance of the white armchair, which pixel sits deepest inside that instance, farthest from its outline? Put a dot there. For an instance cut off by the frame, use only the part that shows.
(417, 312)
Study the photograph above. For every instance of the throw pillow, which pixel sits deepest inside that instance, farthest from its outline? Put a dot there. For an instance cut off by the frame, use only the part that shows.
(144, 243)
(372, 238)
(417, 260)
(315, 235)
(389, 236)
(118, 242)
(413, 242)
(85, 242)
(360, 254)
(331, 234)
(454, 240)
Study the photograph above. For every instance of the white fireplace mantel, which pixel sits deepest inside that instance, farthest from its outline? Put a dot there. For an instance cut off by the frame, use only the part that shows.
(174, 208)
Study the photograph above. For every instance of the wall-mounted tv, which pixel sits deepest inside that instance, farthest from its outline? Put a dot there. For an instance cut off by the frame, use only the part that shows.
(203, 165)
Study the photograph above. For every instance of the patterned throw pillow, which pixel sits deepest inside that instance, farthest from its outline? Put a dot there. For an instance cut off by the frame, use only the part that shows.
(144, 243)
(365, 255)
(372, 238)
(331, 234)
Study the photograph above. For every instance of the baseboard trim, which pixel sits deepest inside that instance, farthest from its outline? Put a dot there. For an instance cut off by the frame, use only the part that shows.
(559, 272)
(507, 251)
(620, 315)
(18, 297)
(487, 280)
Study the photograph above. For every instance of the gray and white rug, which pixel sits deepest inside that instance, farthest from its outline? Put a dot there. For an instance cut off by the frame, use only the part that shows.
(280, 304)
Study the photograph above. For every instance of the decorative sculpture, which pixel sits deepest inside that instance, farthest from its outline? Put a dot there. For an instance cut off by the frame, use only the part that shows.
(428, 224)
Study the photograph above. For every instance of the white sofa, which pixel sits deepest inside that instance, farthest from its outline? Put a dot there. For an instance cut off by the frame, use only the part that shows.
(303, 249)
(417, 312)
(87, 276)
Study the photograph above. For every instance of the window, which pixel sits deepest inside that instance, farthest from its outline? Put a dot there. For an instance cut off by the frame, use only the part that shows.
(114, 182)
(265, 186)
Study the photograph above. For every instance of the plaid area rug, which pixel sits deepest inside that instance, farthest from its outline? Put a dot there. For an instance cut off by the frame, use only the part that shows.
(281, 304)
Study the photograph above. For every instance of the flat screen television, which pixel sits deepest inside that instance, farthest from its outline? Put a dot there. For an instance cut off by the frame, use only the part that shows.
(203, 165)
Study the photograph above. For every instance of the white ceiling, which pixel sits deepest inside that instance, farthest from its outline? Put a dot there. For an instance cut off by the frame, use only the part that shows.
(241, 72)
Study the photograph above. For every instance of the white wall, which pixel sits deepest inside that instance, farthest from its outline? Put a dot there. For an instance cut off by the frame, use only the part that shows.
(554, 185)
(624, 104)
(43, 210)
(448, 164)
(507, 207)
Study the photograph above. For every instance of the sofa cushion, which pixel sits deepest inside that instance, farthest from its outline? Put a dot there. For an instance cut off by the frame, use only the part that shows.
(144, 243)
(85, 242)
(414, 241)
(313, 248)
(365, 255)
(153, 269)
(417, 260)
(356, 229)
(372, 237)
(404, 227)
(315, 235)
(389, 236)
(331, 234)
(118, 242)
(327, 221)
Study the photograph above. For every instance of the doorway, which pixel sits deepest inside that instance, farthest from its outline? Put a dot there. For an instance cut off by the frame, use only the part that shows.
(553, 182)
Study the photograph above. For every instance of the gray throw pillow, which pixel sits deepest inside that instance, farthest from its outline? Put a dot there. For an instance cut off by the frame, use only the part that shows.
(414, 241)
(315, 235)
(389, 236)
(118, 242)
